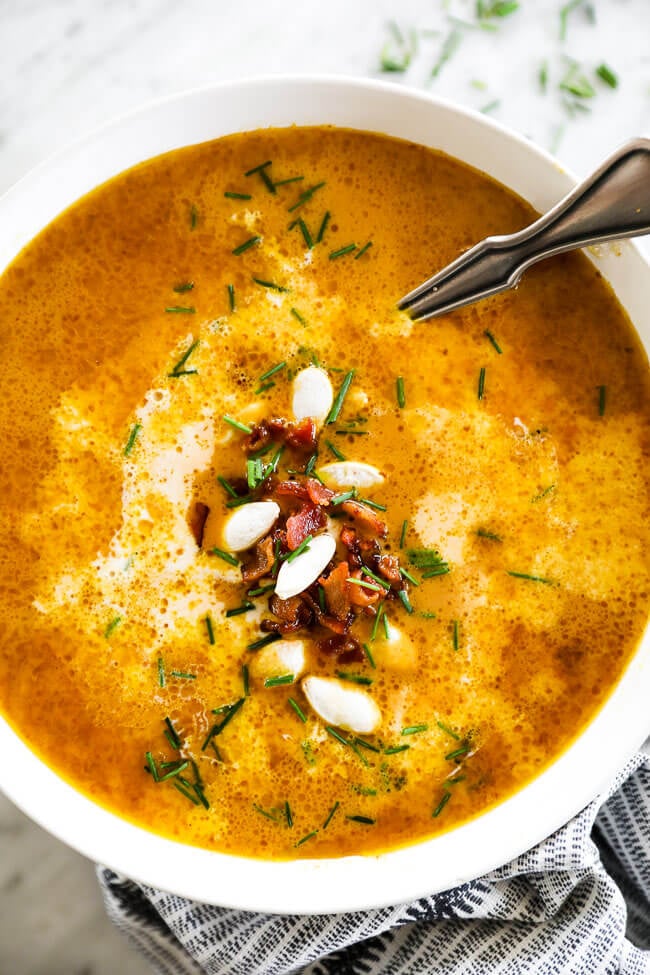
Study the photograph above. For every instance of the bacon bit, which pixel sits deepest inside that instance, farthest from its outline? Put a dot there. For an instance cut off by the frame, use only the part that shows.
(196, 519)
(292, 615)
(261, 563)
(365, 517)
(337, 591)
(307, 521)
(345, 648)
(259, 437)
(302, 435)
(292, 489)
(388, 569)
(360, 596)
(318, 493)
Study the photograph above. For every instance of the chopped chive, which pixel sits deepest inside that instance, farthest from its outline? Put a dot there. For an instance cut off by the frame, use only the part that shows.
(263, 812)
(543, 494)
(299, 711)
(173, 734)
(296, 314)
(404, 599)
(245, 679)
(236, 424)
(247, 243)
(494, 342)
(311, 463)
(399, 389)
(365, 585)
(231, 296)
(424, 558)
(342, 251)
(261, 590)
(185, 791)
(407, 575)
(457, 753)
(133, 436)
(170, 739)
(263, 641)
(373, 504)
(175, 771)
(181, 675)
(384, 619)
(343, 497)
(607, 75)
(363, 250)
(151, 762)
(266, 179)
(304, 197)
(271, 285)
(254, 473)
(178, 369)
(237, 502)
(439, 570)
(222, 709)
(304, 839)
(238, 610)
(194, 217)
(371, 575)
(364, 820)
(227, 486)
(446, 796)
(402, 537)
(602, 400)
(525, 575)
(576, 83)
(481, 383)
(337, 453)
(490, 106)
(428, 616)
(321, 599)
(351, 433)
(291, 179)
(354, 678)
(331, 814)
(180, 310)
(448, 49)
(303, 547)
(367, 744)
(336, 734)
(323, 227)
(218, 728)
(447, 730)
(226, 556)
(231, 195)
(183, 286)
(482, 533)
(257, 169)
(161, 672)
(396, 749)
(280, 680)
(272, 371)
(415, 729)
(375, 626)
(288, 815)
(454, 635)
(198, 788)
(111, 627)
(368, 653)
(333, 414)
(210, 629)
(305, 231)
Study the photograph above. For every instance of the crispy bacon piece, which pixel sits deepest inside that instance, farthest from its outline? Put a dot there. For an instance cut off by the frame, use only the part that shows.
(360, 596)
(365, 517)
(261, 562)
(301, 436)
(292, 489)
(388, 569)
(337, 591)
(318, 493)
(292, 614)
(307, 521)
(345, 648)
(259, 437)
(196, 519)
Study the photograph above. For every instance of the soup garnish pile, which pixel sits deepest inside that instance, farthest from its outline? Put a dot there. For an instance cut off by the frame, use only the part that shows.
(284, 574)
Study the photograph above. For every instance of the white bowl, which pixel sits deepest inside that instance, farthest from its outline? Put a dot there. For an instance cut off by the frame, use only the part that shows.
(347, 883)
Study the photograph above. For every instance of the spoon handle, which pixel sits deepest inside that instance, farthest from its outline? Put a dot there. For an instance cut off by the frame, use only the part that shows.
(613, 202)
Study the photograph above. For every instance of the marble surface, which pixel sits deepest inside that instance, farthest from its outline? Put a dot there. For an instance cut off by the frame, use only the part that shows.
(69, 65)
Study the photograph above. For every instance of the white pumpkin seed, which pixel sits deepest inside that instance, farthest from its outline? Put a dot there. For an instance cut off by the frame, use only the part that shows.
(299, 573)
(282, 657)
(345, 707)
(312, 395)
(345, 474)
(247, 524)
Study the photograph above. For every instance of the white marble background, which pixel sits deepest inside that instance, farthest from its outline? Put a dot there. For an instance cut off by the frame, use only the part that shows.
(69, 65)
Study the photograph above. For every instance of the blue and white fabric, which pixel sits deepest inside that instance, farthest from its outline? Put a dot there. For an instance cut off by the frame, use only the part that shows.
(576, 904)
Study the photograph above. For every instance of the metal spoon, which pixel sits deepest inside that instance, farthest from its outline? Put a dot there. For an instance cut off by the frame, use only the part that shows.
(613, 202)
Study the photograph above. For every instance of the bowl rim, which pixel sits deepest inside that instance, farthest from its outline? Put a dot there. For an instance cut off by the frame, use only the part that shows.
(352, 882)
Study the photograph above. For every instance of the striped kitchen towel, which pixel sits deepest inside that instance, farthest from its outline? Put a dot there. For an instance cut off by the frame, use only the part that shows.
(579, 902)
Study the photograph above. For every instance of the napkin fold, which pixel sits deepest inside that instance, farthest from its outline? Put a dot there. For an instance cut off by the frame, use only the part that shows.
(576, 904)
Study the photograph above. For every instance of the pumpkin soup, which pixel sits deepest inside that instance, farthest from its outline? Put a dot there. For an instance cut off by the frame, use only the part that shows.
(284, 574)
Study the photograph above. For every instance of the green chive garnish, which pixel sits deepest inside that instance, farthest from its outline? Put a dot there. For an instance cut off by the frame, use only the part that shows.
(180, 310)
(482, 533)
(457, 753)
(602, 400)
(337, 453)
(336, 734)
(525, 575)
(402, 537)
(280, 680)
(407, 575)
(607, 75)
(309, 836)
(404, 599)
(161, 672)
(399, 388)
(272, 371)
(111, 627)
(447, 730)
(218, 728)
(175, 771)
(304, 545)
(152, 766)
(133, 436)
(261, 590)
(331, 814)
(342, 251)
(270, 285)
(363, 250)
(181, 675)
(296, 314)
(323, 227)
(238, 610)
(364, 820)
(263, 812)
(263, 641)
(194, 217)
(178, 369)
(333, 414)
(365, 585)
(210, 629)
(481, 383)
(258, 169)
(494, 342)
(227, 486)
(305, 231)
(231, 296)
(304, 197)
(230, 195)
(446, 796)
(415, 729)
(245, 679)
(299, 711)
(288, 814)
(247, 243)
(368, 653)
(291, 179)
(454, 634)
(183, 286)
(396, 749)
(226, 556)
(173, 734)
(354, 678)
(236, 424)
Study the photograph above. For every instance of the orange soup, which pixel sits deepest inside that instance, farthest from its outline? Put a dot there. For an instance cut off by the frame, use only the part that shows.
(283, 573)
